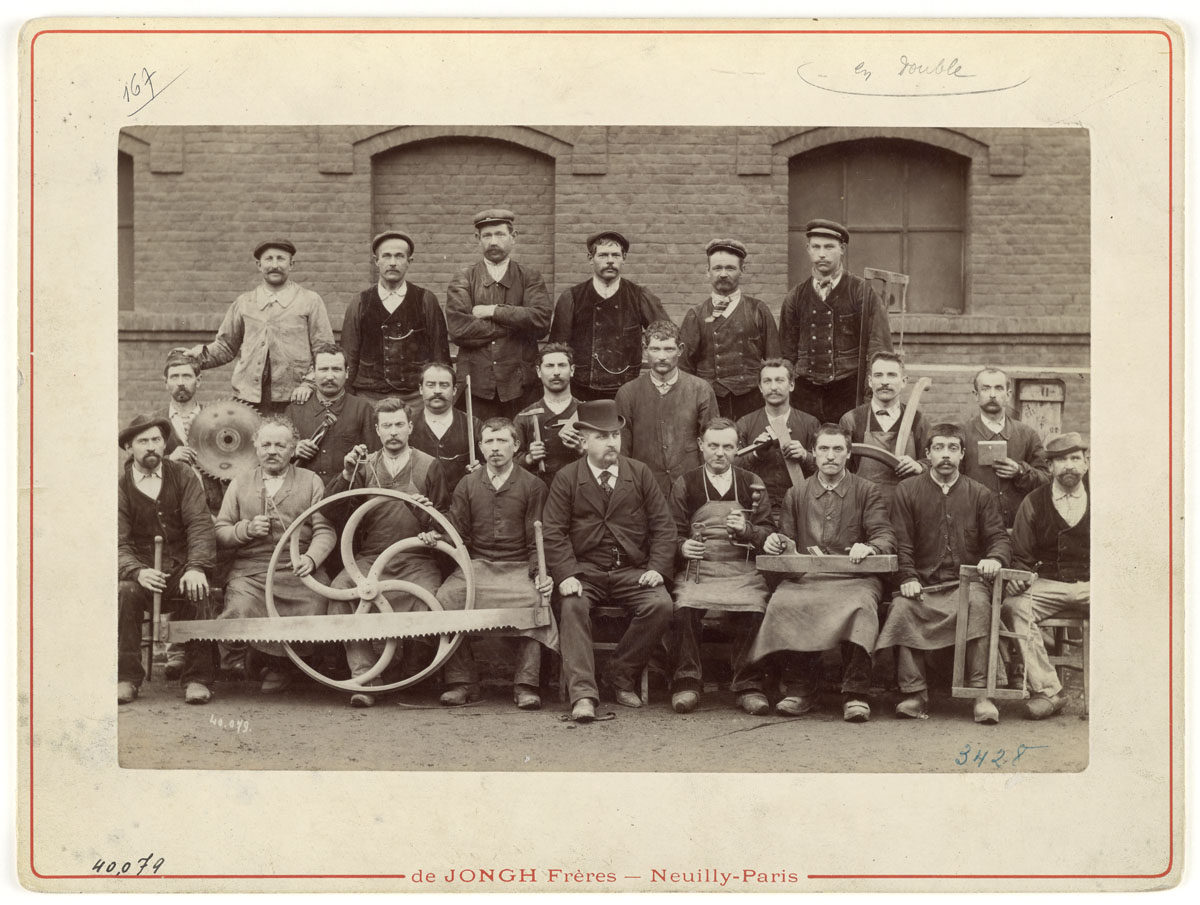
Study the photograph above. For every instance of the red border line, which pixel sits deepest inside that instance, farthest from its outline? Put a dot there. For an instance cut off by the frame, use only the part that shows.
(697, 32)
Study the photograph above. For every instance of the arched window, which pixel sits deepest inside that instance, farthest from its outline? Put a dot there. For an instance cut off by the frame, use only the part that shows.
(905, 206)
(124, 230)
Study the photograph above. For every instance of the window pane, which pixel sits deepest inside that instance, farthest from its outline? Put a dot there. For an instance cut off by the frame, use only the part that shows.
(936, 187)
(935, 261)
(815, 188)
(880, 250)
(874, 187)
(124, 230)
(799, 266)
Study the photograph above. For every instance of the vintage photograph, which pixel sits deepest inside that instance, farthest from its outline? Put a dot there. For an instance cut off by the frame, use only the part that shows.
(724, 449)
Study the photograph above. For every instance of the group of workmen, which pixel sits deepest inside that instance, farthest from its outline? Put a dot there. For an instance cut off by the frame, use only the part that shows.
(657, 488)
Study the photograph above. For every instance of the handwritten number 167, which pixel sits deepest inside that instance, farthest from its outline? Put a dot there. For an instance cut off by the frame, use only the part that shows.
(133, 89)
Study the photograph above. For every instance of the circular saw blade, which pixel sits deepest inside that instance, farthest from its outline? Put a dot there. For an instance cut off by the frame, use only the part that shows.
(222, 434)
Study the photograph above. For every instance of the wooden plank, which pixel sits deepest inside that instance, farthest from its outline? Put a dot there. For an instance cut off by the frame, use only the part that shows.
(959, 673)
(803, 562)
(887, 457)
(993, 656)
(910, 415)
(795, 472)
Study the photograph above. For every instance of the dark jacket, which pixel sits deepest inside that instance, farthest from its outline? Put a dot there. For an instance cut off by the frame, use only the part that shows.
(1044, 543)
(728, 351)
(497, 525)
(1024, 447)
(768, 462)
(821, 338)
(355, 424)
(385, 351)
(179, 515)
(451, 449)
(862, 517)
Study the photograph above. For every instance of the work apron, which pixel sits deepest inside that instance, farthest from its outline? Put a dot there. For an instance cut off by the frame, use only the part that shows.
(500, 585)
(729, 580)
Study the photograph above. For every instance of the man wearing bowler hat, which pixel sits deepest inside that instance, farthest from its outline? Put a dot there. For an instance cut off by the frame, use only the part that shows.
(270, 330)
(160, 497)
(602, 320)
(830, 326)
(393, 329)
(728, 336)
(610, 539)
(496, 312)
(1052, 537)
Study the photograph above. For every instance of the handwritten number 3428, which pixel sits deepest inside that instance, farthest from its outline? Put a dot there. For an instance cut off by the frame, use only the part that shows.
(137, 81)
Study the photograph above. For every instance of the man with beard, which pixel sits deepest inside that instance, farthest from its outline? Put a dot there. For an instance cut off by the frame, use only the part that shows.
(942, 521)
(393, 328)
(610, 539)
(825, 323)
(271, 330)
(331, 422)
(1002, 454)
(397, 466)
(839, 513)
(259, 506)
(664, 410)
(160, 498)
(602, 320)
(727, 337)
(440, 430)
(877, 424)
(719, 526)
(779, 436)
(496, 312)
(547, 427)
(1052, 537)
(493, 510)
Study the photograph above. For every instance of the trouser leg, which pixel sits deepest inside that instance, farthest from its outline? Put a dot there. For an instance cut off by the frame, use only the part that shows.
(685, 635)
(856, 670)
(529, 662)
(131, 605)
(801, 672)
(575, 641)
(651, 619)
(460, 669)
(748, 674)
(910, 669)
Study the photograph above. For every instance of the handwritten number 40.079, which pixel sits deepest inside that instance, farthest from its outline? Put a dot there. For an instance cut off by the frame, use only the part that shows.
(134, 88)
(118, 869)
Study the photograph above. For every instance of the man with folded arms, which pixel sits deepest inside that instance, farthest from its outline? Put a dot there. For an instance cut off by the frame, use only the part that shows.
(943, 520)
(610, 539)
(1051, 536)
(834, 512)
(720, 528)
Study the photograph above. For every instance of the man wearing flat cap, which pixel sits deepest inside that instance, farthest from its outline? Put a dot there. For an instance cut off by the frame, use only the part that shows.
(602, 320)
(392, 329)
(270, 330)
(1052, 537)
(496, 312)
(610, 539)
(727, 337)
(830, 326)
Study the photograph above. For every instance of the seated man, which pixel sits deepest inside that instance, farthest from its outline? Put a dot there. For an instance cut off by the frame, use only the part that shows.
(158, 497)
(1051, 536)
(258, 507)
(395, 467)
(493, 509)
(942, 521)
(842, 514)
(609, 540)
(721, 528)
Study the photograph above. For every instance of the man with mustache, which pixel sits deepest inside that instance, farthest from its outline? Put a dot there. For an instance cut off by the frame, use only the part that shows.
(493, 510)
(825, 323)
(439, 429)
(1052, 537)
(393, 328)
(1022, 467)
(664, 410)
(727, 337)
(547, 427)
(159, 497)
(610, 540)
(331, 422)
(496, 312)
(943, 520)
(602, 320)
(271, 330)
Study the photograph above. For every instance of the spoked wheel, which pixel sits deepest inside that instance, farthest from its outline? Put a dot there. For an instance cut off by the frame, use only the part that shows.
(369, 589)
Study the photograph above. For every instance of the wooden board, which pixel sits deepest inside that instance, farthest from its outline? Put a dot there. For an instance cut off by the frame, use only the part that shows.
(803, 562)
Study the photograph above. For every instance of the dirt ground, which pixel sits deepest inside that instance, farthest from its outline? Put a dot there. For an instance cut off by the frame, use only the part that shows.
(312, 727)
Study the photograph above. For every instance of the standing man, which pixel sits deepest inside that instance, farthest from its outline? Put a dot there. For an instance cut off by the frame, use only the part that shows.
(830, 326)
(271, 330)
(877, 423)
(331, 422)
(158, 497)
(943, 521)
(727, 337)
(840, 513)
(1003, 455)
(496, 312)
(720, 527)
(779, 435)
(547, 427)
(440, 430)
(393, 328)
(610, 539)
(602, 320)
(1052, 537)
(665, 410)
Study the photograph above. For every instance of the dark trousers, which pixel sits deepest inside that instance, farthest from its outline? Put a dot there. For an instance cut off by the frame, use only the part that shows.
(685, 636)
(493, 408)
(826, 402)
(910, 667)
(734, 407)
(802, 671)
(651, 620)
(133, 602)
(591, 394)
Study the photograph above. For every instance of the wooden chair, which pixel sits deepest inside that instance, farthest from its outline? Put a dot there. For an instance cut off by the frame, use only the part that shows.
(895, 292)
(615, 613)
(1067, 652)
(958, 686)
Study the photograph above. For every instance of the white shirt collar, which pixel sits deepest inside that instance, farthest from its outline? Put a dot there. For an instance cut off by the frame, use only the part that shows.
(674, 379)
(497, 271)
(995, 427)
(722, 482)
(611, 469)
(498, 480)
(734, 300)
(1061, 493)
(400, 291)
(833, 280)
(146, 476)
(606, 290)
(395, 464)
